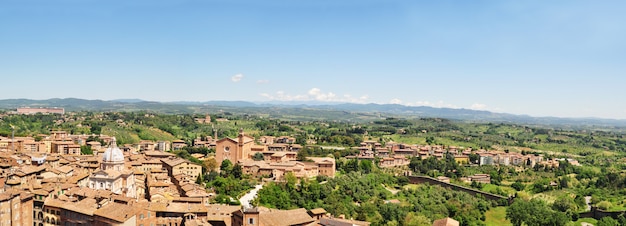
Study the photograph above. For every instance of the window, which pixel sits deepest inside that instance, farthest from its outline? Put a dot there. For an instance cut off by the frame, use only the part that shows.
(141, 216)
(250, 220)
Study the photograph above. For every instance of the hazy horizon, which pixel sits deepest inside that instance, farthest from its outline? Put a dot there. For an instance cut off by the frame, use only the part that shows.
(306, 103)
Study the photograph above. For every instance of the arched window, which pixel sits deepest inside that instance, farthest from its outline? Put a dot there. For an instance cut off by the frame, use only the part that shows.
(53, 221)
(47, 220)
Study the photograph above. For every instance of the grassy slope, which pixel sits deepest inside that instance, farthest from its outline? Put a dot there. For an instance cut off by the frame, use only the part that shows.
(496, 217)
(123, 136)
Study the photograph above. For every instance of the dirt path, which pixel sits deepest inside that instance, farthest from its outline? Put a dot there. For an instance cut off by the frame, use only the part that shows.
(393, 191)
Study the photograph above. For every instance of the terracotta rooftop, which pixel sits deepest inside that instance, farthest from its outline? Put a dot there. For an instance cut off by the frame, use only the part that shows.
(86, 206)
(174, 161)
(317, 211)
(285, 217)
(446, 222)
(342, 222)
(116, 211)
(158, 153)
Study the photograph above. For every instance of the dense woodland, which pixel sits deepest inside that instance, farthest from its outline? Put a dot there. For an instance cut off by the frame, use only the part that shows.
(365, 197)
(361, 190)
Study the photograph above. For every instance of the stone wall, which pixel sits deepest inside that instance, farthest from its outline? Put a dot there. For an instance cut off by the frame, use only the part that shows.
(471, 191)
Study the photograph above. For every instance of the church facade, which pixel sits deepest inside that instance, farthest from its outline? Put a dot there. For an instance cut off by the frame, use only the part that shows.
(234, 150)
(112, 175)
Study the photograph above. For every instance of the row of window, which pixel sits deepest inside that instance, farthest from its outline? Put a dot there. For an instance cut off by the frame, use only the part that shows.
(189, 167)
(141, 216)
(55, 212)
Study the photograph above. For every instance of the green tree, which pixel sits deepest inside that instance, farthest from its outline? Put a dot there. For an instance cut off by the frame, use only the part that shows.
(237, 171)
(565, 204)
(534, 213)
(258, 156)
(414, 219)
(430, 140)
(86, 150)
(210, 164)
(518, 186)
(226, 167)
(200, 179)
(473, 158)
(621, 219)
(302, 155)
(366, 166)
(608, 221)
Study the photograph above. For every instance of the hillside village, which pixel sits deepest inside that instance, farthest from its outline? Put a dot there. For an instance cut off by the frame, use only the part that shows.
(145, 184)
(69, 179)
(140, 184)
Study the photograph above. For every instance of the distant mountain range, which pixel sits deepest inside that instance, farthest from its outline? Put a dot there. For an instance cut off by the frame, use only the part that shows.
(303, 111)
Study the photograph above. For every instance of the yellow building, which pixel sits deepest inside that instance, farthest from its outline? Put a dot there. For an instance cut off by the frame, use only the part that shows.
(461, 159)
(176, 166)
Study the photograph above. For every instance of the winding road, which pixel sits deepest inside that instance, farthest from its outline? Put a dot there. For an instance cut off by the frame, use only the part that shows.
(248, 197)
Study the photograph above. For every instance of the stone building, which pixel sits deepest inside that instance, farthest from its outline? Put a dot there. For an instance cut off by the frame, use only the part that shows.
(112, 175)
(234, 149)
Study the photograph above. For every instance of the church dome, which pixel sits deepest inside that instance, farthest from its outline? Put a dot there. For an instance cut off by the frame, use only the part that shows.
(113, 153)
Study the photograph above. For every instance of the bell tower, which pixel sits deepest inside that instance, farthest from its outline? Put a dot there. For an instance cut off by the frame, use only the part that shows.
(240, 140)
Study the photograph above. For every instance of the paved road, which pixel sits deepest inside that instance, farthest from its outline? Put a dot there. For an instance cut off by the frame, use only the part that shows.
(245, 199)
(586, 224)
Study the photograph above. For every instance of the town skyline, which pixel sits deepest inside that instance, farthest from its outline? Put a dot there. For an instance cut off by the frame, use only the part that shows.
(560, 59)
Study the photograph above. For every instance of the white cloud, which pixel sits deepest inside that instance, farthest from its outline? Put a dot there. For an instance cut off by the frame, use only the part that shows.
(236, 78)
(438, 104)
(264, 81)
(478, 106)
(395, 101)
(315, 94)
(314, 91)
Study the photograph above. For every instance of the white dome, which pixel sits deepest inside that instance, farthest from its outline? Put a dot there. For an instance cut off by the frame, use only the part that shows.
(113, 153)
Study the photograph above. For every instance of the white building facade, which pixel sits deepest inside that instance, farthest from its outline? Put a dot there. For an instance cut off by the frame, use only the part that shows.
(113, 176)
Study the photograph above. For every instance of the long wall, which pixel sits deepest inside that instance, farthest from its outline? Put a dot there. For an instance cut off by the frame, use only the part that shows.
(471, 191)
(594, 213)
(598, 214)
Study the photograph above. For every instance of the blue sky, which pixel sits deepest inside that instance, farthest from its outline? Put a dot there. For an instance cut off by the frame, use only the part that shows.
(541, 58)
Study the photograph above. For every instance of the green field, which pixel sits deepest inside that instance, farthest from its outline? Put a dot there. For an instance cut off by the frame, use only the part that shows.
(492, 188)
(586, 220)
(496, 217)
